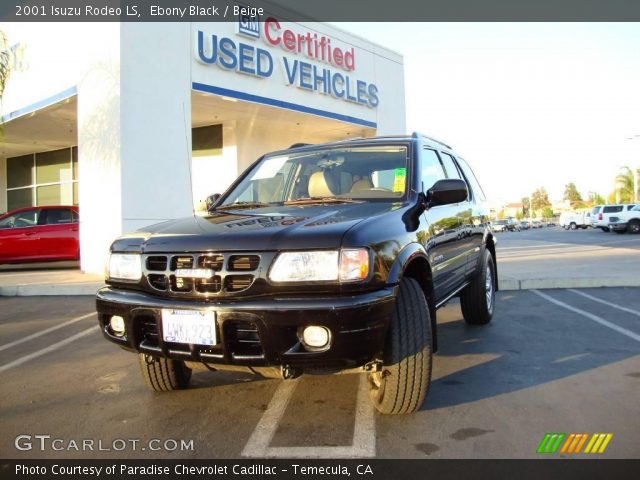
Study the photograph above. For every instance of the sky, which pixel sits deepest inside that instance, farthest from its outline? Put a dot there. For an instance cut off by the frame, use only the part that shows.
(528, 105)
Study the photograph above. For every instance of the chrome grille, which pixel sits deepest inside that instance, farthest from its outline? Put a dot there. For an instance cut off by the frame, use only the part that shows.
(231, 273)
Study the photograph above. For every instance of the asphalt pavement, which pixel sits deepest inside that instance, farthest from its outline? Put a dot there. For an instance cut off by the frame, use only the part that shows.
(551, 257)
(550, 361)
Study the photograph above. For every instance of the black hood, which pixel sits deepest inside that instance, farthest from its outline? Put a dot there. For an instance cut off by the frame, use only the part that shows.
(268, 228)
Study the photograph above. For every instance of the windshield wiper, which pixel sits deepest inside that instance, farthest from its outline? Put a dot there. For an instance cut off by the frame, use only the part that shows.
(312, 200)
(241, 205)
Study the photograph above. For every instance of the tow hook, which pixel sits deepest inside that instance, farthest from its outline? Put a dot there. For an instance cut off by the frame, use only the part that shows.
(374, 366)
(288, 372)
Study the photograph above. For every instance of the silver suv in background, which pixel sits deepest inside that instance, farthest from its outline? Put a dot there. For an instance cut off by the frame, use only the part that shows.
(600, 215)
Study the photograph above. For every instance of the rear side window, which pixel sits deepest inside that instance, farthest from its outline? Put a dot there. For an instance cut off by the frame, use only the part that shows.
(612, 209)
(58, 216)
(596, 209)
(471, 178)
(431, 169)
(630, 207)
(450, 166)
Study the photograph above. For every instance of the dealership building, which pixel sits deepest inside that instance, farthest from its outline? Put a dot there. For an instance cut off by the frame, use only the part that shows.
(138, 122)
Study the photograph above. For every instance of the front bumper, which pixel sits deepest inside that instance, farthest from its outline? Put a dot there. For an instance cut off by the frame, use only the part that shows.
(260, 332)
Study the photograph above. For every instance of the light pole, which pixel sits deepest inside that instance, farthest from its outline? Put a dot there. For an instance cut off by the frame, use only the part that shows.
(634, 170)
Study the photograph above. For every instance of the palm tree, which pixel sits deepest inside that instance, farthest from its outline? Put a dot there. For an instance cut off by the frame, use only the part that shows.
(5, 59)
(624, 185)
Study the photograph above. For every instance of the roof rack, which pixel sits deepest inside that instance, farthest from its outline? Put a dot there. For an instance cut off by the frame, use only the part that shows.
(298, 145)
(421, 135)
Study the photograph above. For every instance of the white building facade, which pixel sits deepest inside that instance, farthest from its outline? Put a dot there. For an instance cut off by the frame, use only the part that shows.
(138, 122)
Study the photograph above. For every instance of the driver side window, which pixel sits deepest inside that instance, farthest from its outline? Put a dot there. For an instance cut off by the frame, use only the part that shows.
(431, 168)
(21, 220)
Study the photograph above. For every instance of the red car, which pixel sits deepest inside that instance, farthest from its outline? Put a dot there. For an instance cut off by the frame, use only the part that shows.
(39, 234)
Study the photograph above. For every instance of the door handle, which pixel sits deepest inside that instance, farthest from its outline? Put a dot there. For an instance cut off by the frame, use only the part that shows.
(29, 234)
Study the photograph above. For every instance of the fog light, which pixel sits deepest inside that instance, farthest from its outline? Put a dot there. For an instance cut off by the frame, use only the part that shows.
(316, 337)
(117, 325)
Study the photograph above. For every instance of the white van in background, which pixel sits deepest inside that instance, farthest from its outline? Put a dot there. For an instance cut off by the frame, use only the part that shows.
(575, 220)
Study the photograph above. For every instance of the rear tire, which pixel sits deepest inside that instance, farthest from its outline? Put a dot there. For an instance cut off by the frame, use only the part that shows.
(403, 383)
(620, 231)
(477, 300)
(633, 226)
(164, 374)
(574, 226)
(605, 229)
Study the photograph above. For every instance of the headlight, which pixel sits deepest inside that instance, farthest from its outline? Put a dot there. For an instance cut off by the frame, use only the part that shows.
(322, 266)
(124, 266)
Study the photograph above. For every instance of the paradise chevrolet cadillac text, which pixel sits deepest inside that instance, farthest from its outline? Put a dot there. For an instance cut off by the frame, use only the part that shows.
(318, 259)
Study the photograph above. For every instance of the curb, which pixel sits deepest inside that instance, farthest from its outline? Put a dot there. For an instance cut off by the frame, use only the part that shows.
(62, 289)
(507, 284)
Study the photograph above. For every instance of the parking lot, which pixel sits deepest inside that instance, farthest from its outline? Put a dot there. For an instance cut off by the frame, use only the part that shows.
(551, 361)
(552, 257)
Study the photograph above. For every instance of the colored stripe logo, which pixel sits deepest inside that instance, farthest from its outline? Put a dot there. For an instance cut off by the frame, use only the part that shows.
(573, 443)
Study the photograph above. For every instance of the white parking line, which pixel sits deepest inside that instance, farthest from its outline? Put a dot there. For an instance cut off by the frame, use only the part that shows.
(590, 316)
(266, 428)
(604, 302)
(550, 245)
(364, 435)
(50, 348)
(44, 332)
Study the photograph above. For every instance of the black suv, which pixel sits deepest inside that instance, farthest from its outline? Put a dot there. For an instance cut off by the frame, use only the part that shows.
(319, 258)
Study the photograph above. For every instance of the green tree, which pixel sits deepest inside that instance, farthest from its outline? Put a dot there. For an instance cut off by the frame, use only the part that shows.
(596, 199)
(540, 199)
(571, 193)
(525, 206)
(547, 213)
(624, 185)
(519, 215)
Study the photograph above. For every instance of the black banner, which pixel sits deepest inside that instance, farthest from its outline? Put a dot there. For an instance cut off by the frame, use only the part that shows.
(318, 10)
(543, 469)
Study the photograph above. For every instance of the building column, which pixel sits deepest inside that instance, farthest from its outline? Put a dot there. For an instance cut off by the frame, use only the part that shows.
(99, 165)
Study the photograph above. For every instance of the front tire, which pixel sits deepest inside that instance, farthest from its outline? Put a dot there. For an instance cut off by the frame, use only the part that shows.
(633, 226)
(477, 300)
(573, 226)
(403, 383)
(164, 374)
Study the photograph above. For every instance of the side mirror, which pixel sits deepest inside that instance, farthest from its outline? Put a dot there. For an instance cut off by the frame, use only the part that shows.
(446, 192)
(212, 200)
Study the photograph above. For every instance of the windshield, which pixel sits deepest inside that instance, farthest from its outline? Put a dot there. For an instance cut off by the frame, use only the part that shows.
(361, 173)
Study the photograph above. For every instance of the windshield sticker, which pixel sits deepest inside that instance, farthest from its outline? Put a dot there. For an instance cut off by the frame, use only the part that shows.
(399, 178)
(269, 168)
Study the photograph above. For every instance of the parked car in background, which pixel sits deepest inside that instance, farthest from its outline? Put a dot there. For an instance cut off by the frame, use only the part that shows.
(626, 221)
(39, 234)
(524, 225)
(536, 224)
(499, 226)
(601, 213)
(513, 225)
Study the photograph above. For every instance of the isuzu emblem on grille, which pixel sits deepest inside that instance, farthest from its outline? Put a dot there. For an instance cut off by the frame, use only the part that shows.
(194, 272)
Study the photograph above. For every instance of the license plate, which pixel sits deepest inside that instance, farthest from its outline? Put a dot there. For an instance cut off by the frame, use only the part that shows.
(189, 326)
